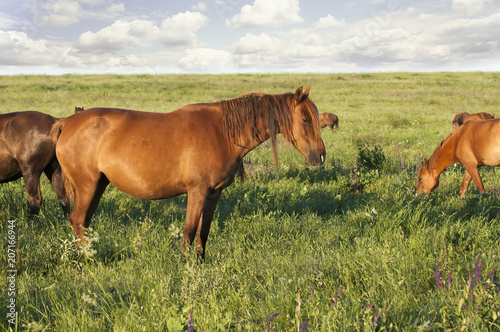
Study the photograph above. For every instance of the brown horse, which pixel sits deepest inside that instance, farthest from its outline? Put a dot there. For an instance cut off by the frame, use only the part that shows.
(79, 109)
(161, 155)
(328, 119)
(474, 144)
(26, 150)
(463, 117)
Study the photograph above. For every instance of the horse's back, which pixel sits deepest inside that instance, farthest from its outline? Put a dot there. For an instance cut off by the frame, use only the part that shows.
(142, 152)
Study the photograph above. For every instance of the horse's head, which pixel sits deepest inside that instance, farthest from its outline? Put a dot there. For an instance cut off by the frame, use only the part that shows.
(306, 130)
(427, 181)
(79, 109)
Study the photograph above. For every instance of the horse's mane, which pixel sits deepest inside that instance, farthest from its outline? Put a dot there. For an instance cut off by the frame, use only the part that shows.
(252, 114)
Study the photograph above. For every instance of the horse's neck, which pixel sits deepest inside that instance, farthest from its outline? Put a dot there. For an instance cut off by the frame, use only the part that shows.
(443, 156)
(249, 142)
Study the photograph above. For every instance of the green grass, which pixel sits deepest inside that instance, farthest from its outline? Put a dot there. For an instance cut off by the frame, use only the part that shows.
(342, 247)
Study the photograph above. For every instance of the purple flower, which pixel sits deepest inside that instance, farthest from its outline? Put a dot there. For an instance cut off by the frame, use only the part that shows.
(270, 320)
(449, 278)
(340, 290)
(478, 268)
(335, 300)
(439, 283)
(471, 281)
(303, 328)
(191, 322)
(377, 316)
(312, 292)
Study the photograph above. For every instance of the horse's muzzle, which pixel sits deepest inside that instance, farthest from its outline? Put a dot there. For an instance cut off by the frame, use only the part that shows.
(316, 159)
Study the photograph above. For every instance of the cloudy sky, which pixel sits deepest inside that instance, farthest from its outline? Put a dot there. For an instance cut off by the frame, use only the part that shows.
(240, 36)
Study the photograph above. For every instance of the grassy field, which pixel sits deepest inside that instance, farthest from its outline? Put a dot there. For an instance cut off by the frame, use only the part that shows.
(343, 247)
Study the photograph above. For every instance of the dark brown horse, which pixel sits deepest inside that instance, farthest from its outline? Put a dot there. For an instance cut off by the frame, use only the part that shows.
(473, 144)
(463, 117)
(161, 155)
(328, 119)
(26, 150)
(79, 109)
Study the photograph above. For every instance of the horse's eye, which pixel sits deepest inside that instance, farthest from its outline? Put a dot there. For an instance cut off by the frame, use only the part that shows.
(419, 179)
(306, 120)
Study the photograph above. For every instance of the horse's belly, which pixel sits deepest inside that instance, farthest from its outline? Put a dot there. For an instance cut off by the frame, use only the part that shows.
(144, 183)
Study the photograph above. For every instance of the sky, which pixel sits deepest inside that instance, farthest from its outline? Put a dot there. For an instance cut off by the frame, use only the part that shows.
(248, 36)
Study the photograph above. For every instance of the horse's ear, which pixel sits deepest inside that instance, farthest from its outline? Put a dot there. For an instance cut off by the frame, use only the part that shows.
(426, 163)
(306, 92)
(298, 95)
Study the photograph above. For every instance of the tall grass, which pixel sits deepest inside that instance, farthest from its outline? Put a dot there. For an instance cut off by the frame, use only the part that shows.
(342, 247)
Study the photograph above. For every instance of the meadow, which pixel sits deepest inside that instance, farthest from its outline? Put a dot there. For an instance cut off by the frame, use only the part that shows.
(342, 247)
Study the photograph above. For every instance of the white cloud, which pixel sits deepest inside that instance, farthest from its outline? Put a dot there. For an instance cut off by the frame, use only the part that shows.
(266, 13)
(115, 8)
(62, 12)
(18, 49)
(118, 36)
(329, 22)
(471, 7)
(199, 6)
(206, 59)
(180, 29)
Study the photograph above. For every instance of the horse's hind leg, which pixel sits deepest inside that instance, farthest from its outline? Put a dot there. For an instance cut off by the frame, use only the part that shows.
(474, 173)
(32, 185)
(87, 199)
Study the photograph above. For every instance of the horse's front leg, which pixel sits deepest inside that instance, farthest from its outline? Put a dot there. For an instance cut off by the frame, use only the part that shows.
(195, 203)
(206, 221)
(465, 183)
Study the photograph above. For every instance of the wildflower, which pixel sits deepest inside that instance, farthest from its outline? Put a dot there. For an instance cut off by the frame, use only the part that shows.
(312, 292)
(471, 281)
(303, 328)
(478, 269)
(449, 278)
(377, 316)
(270, 320)
(439, 283)
(191, 322)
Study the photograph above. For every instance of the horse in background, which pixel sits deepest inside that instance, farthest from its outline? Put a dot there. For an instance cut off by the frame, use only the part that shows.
(463, 117)
(161, 155)
(473, 144)
(27, 150)
(79, 109)
(328, 119)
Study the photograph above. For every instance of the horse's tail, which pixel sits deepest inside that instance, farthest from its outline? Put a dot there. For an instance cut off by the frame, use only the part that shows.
(337, 123)
(55, 132)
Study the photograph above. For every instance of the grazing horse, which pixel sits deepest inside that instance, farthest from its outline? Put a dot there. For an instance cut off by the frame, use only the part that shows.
(473, 144)
(26, 150)
(161, 155)
(328, 119)
(463, 117)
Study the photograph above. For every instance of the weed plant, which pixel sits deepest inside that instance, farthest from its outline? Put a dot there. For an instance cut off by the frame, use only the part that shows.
(342, 247)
